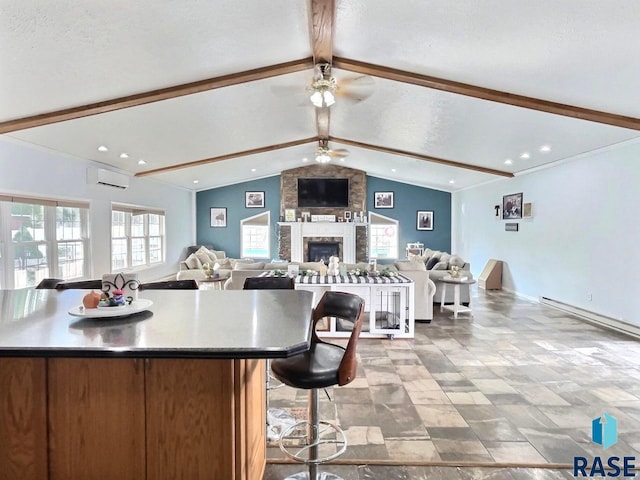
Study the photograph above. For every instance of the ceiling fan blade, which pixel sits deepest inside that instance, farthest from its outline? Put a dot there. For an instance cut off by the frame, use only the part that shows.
(361, 81)
(339, 153)
(356, 89)
(300, 95)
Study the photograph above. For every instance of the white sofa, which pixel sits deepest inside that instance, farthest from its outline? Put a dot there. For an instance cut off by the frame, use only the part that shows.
(437, 265)
(237, 270)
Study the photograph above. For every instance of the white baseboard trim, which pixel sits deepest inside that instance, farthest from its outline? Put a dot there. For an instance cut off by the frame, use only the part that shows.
(522, 295)
(595, 318)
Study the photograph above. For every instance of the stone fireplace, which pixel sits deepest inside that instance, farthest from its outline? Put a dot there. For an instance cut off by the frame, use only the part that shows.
(344, 234)
(295, 236)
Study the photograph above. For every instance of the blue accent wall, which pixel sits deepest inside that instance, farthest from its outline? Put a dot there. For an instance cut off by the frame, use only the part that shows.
(408, 199)
(232, 198)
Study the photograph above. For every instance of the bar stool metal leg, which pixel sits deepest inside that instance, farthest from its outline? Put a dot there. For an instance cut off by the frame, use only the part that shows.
(309, 453)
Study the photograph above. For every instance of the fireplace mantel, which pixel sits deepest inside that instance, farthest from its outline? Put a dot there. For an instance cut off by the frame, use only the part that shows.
(344, 230)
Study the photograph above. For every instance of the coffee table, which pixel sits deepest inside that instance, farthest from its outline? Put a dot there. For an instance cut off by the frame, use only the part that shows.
(214, 283)
(457, 307)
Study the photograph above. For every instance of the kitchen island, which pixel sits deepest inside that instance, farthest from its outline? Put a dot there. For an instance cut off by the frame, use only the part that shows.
(173, 392)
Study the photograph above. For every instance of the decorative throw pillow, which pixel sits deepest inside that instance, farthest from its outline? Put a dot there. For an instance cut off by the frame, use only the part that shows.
(441, 266)
(192, 262)
(456, 261)
(418, 258)
(432, 261)
(220, 254)
(225, 263)
(203, 255)
(409, 266)
(444, 257)
(428, 253)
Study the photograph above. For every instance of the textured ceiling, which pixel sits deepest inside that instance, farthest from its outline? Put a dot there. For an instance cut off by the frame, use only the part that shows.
(68, 54)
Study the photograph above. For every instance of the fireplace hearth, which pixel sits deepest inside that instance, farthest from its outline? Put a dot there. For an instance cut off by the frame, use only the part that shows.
(322, 251)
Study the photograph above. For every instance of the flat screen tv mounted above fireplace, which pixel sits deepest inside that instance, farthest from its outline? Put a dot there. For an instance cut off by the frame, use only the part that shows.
(323, 192)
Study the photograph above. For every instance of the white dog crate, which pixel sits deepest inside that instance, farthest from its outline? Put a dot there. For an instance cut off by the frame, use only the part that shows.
(388, 304)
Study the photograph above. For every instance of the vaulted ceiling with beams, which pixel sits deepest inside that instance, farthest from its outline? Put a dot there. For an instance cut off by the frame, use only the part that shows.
(435, 93)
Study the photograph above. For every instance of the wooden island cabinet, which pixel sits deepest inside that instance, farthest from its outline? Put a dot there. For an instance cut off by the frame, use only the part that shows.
(141, 413)
(132, 419)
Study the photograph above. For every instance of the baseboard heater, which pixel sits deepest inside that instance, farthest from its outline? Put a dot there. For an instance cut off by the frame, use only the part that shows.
(595, 318)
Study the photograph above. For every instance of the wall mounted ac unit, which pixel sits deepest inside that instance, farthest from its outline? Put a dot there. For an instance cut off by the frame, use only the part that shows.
(100, 176)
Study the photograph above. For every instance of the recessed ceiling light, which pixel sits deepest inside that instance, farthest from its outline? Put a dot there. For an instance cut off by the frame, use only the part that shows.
(525, 155)
(253, 169)
(393, 169)
(305, 159)
(452, 181)
(142, 162)
(196, 181)
(508, 161)
(103, 148)
(545, 149)
(124, 155)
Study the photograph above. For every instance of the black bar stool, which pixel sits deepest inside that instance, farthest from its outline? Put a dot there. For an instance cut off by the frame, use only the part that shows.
(323, 365)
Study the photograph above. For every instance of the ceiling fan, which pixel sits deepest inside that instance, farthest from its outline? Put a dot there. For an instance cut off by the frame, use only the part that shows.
(324, 154)
(326, 89)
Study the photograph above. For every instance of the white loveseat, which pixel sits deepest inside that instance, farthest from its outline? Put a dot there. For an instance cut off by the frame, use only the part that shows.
(437, 265)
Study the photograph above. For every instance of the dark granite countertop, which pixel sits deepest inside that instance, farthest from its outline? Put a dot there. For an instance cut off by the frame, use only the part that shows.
(179, 324)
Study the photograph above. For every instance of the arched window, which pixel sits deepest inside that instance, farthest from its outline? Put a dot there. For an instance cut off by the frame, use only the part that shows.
(254, 233)
(383, 236)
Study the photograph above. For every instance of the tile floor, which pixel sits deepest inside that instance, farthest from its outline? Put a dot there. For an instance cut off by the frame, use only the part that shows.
(516, 387)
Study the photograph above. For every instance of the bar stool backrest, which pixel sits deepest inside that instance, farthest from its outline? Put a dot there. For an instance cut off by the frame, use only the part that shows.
(346, 306)
(268, 283)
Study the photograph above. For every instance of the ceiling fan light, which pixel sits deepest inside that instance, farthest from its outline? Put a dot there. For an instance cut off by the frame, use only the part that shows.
(323, 158)
(316, 98)
(328, 98)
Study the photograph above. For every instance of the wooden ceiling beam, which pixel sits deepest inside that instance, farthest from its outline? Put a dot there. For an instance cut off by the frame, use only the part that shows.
(228, 156)
(321, 25)
(426, 158)
(322, 122)
(156, 95)
(487, 94)
(321, 30)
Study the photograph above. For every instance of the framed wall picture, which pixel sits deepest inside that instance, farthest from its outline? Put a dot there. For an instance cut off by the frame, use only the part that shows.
(218, 217)
(425, 220)
(512, 206)
(527, 212)
(511, 227)
(289, 214)
(383, 199)
(254, 199)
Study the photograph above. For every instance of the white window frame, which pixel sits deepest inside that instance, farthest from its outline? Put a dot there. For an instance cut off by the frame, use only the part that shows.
(267, 229)
(50, 241)
(373, 236)
(129, 212)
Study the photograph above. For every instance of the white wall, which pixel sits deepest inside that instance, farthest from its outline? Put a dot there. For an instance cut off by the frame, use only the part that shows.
(42, 173)
(583, 238)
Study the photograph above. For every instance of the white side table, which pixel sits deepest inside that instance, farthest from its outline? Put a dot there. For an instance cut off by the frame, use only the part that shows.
(457, 307)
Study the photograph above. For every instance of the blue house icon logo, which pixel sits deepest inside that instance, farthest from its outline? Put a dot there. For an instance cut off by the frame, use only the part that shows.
(604, 430)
